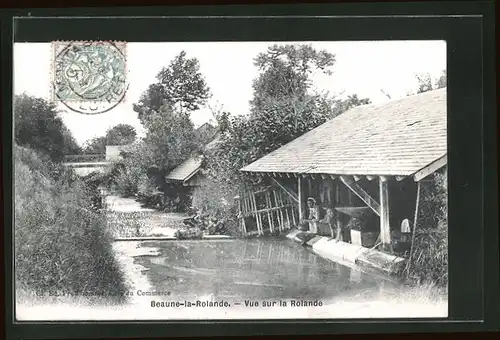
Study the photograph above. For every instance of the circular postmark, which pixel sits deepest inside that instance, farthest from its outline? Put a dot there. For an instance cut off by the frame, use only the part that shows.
(89, 77)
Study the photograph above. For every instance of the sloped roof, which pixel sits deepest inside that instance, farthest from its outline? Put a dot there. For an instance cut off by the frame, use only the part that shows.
(185, 170)
(191, 166)
(205, 133)
(398, 138)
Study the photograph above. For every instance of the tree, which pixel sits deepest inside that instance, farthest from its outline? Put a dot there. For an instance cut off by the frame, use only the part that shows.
(95, 145)
(120, 134)
(170, 139)
(38, 126)
(442, 81)
(164, 110)
(285, 72)
(171, 135)
(426, 83)
(180, 85)
(346, 104)
(283, 108)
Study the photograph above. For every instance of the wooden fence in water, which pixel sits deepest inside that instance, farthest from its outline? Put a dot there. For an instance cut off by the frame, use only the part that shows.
(267, 211)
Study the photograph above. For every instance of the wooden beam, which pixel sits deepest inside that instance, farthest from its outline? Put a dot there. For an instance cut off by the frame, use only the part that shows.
(288, 175)
(301, 199)
(344, 178)
(285, 189)
(370, 178)
(385, 230)
(383, 178)
(400, 178)
(304, 175)
(415, 218)
(431, 168)
(361, 193)
(333, 176)
(356, 178)
(323, 176)
(312, 176)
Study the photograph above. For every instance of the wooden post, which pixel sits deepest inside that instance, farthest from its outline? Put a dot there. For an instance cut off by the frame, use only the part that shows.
(286, 211)
(407, 269)
(242, 216)
(257, 216)
(385, 230)
(301, 199)
(292, 211)
(279, 213)
(337, 194)
(269, 213)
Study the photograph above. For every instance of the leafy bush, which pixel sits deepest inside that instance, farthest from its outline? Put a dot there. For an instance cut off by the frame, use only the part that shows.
(284, 106)
(429, 259)
(217, 201)
(61, 243)
(38, 126)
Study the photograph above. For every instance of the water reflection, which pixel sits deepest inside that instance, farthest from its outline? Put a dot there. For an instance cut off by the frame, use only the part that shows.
(249, 269)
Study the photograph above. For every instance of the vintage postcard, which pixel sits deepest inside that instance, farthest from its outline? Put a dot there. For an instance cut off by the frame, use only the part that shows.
(230, 180)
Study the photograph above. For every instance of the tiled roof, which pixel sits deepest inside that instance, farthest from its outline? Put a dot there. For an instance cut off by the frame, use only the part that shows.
(398, 137)
(191, 166)
(185, 169)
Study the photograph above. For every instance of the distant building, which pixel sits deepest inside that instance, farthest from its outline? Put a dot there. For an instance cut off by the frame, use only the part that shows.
(189, 173)
(113, 152)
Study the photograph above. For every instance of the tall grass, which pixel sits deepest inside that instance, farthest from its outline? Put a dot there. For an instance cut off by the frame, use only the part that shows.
(429, 260)
(61, 243)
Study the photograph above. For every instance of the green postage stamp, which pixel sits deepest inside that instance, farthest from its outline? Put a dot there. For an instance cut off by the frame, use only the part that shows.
(89, 77)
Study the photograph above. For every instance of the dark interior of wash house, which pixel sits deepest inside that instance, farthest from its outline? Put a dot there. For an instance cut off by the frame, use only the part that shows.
(339, 210)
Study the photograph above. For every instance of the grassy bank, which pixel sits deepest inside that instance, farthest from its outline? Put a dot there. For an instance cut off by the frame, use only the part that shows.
(61, 244)
(428, 260)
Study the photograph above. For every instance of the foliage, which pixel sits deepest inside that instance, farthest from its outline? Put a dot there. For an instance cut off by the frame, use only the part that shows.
(429, 259)
(132, 171)
(169, 140)
(164, 110)
(61, 243)
(425, 82)
(171, 136)
(121, 134)
(205, 134)
(180, 86)
(38, 126)
(285, 72)
(95, 145)
(283, 108)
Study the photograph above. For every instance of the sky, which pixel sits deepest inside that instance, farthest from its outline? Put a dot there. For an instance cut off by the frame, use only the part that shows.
(366, 68)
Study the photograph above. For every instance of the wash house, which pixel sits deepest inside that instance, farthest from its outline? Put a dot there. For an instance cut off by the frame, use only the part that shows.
(368, 165)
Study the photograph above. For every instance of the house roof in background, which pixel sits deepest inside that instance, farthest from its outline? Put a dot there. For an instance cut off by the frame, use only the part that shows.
(205, 133)
(192, 165)
(397, 138)
(186, 169)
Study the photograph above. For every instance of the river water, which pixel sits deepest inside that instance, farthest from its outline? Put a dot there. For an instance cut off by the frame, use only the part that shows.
(259, 269)
(264, 278)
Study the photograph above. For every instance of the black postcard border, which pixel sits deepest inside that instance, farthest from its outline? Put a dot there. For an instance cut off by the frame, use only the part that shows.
(473, 204)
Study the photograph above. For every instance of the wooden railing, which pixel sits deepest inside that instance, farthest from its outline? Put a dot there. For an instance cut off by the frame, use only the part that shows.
(98, 157)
